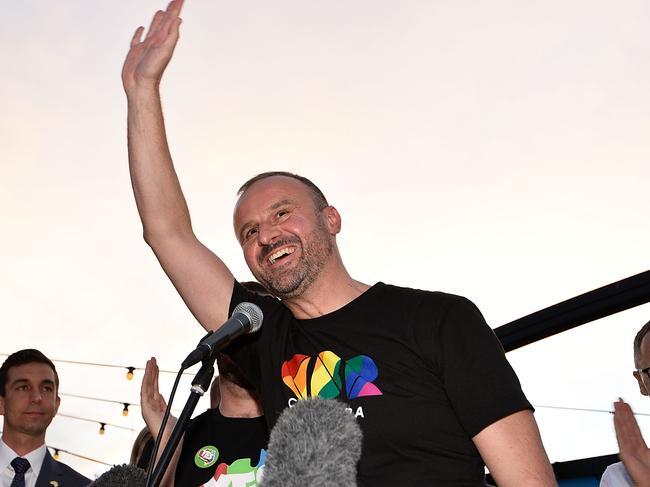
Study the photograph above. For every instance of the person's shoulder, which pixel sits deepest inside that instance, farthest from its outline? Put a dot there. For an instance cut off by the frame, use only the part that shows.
(254, 292)
(205, 419)
(615, 475)
(439, 298)
(208, 415)
(72, 475)
(436, 307)
(65, 475)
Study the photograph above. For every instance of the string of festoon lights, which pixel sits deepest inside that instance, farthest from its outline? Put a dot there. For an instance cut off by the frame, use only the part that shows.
(56, 454)
(125, 405)
(102, 425)
(130, 370)
(58, 451)
(589, 410)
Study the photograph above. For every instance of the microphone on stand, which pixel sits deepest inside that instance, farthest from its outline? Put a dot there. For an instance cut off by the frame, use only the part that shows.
(315, 443)
(246, 318)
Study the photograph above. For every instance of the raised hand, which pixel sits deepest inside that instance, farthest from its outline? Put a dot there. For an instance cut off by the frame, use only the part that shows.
(148, 58)
(152, 402)
(633, 450)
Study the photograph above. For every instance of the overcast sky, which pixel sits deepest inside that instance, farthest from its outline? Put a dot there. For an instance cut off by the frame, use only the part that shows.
(497, 150)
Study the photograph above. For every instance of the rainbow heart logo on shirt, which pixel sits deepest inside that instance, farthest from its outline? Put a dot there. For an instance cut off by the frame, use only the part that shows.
(328, 376)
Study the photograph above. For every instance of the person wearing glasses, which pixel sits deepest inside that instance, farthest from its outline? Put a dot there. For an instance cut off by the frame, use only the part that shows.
(634, 469)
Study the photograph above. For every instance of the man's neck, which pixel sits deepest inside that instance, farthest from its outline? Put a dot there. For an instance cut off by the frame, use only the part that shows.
(237, 402)
(21, 443)
(331, 291)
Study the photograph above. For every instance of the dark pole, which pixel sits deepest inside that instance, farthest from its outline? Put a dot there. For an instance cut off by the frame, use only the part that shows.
(200, 385)
(587, 307)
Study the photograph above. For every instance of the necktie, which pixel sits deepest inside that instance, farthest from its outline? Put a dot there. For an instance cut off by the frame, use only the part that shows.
(21, 465)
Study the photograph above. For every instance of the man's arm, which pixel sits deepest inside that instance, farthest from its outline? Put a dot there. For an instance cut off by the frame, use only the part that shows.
(201, 278)
(153, 409)
(633, 450)
(513, 452)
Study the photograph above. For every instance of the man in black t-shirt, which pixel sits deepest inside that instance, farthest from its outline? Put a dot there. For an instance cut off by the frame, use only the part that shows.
(421, 372)
(409, 362)
(224, 445)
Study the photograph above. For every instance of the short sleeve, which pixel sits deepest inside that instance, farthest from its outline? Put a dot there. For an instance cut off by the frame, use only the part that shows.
(244, 350)
(480, 383)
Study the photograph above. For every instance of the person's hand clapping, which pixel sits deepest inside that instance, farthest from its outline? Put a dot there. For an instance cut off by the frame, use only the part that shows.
(152, 402)
(633, 449)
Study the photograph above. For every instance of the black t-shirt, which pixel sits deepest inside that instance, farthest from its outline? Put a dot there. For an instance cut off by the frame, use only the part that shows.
(422, 372)
(215, 447)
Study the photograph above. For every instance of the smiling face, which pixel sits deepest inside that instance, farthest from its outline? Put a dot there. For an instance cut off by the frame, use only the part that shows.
(30, 401)
(286, 240)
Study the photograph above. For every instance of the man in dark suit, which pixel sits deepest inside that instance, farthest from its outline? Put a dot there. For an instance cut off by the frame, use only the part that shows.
(29, 401)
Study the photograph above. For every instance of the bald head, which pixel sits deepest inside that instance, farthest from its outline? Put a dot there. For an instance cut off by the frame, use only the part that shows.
(318, 197)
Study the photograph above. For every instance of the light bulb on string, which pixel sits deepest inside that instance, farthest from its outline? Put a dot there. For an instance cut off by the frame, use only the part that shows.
(56, 454)
(129, 374)
(125, 411)
(102, 428)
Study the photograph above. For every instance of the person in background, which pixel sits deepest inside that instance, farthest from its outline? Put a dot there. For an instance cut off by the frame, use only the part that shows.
(144, 442)
(142, 448)
(229, 439)
(215, 393)
(634, 469)
(29, 400)
(633, 450)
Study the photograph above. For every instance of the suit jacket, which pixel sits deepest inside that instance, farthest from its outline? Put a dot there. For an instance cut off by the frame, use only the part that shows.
(57, 474)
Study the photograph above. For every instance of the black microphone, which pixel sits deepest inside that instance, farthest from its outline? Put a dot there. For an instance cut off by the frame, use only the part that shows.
(315, 443)
(246, 318)
(121, 476)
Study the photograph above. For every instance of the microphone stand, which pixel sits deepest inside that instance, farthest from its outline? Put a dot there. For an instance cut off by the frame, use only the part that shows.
(200, 385)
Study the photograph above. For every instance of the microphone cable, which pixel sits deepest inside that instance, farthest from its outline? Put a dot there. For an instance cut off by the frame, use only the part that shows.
(156, 445)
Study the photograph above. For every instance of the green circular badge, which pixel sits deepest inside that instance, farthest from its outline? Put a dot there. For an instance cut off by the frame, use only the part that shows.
(206, 456)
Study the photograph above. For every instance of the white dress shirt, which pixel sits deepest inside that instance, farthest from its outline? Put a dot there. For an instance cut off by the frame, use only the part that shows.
(616, 476)
(35, 458)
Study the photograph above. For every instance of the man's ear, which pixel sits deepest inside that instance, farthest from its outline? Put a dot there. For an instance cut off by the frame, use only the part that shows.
(639, 379)
(333, 219)
(58, 403)
(2, 405)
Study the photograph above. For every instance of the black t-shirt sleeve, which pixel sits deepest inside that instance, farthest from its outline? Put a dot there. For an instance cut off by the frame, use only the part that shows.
(480, 383)
(245, 350)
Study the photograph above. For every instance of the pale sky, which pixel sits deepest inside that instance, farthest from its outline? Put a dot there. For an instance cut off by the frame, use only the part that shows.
(497, 150)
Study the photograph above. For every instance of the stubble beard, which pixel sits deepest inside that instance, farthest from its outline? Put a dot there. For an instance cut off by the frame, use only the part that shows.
(294, 282)
(34, 428)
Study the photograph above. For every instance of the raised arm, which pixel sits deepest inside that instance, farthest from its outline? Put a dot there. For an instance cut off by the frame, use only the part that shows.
(201, 278)
(513, 452)
(153, 406)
